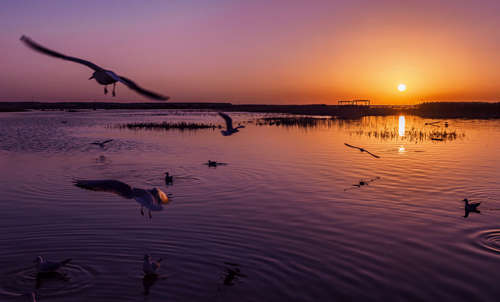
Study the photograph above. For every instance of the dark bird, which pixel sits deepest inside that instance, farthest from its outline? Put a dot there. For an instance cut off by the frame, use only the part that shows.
(229, 125)
(169, 179)
(101, 144)
(45, 266)
(362, 150)
(152, 199)
(101, 75)
(471, 207)
(149, 266)
(213, 163)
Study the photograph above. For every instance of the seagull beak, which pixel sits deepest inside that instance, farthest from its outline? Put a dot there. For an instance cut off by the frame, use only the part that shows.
(91, 77)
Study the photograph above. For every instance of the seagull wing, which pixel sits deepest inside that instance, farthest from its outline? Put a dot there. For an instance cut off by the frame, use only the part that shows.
(228, 119)
(351, 146)
(130, 84)
(35, 46)
(107, 141)
(112, 186)
(376, 156)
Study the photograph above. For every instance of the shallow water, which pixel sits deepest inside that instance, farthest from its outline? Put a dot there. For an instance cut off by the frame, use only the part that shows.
(284, 210)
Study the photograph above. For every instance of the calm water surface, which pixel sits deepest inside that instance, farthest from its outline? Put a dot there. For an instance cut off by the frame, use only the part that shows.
(284, 210)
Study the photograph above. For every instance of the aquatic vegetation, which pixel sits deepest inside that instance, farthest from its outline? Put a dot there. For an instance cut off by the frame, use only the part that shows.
(168, 126)
(411, 135)
(296, 121)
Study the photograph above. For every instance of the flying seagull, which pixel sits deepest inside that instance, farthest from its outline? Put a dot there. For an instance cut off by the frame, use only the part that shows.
(229, 125)
(101, 75)
(45, 266)
(152, 199)
(362, 150)
(101, 144)
(149, 266)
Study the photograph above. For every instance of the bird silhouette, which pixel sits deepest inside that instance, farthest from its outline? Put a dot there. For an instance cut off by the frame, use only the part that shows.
(470, 207)
(169, 179)
(101, 75)
(230, 130)
(362, 150)
(101, 144)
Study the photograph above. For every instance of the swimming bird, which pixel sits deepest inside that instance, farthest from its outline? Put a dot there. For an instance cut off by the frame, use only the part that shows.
(152, 199)
(45, 266)
(101, 144)
(150, 267)
(362, 150)
(471, 207)
(229, 125)
(101, 75)
(168, 179)
(213, 163)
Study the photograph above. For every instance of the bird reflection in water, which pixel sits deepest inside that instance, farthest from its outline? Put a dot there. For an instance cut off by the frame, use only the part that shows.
(153, 199)
(232, 274)
(48, 277)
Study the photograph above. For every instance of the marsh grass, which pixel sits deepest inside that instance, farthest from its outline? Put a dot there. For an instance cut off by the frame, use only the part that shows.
(182, 126)
(411, 135)
(301, 122)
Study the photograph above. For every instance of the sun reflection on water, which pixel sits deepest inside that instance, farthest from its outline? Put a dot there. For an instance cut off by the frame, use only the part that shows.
(401, 125)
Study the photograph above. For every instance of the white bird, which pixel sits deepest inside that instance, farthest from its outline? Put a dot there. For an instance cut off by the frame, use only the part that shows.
(45, 266)
(149, 266)
(152, 199)
(101, 75)
(229, 125)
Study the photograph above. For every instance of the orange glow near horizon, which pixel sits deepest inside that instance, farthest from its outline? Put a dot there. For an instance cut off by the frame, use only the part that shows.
(216, 52)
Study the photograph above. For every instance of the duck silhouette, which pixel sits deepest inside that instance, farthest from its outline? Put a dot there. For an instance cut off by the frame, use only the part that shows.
(169, 179)
(470, 207)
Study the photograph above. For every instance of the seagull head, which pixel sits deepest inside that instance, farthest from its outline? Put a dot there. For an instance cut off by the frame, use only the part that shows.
(160, 195)
(466, 200)
(38, 259)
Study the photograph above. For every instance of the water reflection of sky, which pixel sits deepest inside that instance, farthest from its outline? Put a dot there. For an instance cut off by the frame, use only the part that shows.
(280, 209)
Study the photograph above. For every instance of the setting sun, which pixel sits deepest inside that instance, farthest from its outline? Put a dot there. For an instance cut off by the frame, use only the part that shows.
(401, 87)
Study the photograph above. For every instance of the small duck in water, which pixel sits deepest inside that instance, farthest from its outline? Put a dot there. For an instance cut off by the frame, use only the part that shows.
(149, 266)
(169, 179)
(471, 207)
(45, 266)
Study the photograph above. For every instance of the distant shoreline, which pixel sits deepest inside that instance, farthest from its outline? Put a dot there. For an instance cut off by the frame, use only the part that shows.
(427, 110)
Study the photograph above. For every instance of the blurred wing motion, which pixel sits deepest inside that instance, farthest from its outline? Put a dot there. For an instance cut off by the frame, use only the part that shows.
(229, 121)
(362, 150)
(351, 146)
(130, 84)
(376, 156)
(35, 46)
(112, 186)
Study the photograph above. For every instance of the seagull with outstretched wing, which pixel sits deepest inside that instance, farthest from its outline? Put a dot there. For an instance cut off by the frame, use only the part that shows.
(101, 75)
(152, 199)
(362, 150)
(230, 130)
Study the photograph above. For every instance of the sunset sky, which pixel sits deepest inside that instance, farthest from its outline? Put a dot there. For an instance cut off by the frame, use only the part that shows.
(294, 52)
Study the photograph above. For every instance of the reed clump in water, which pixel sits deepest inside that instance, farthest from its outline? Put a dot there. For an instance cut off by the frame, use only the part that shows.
(412, 135)
(168, 126)
(302, 122)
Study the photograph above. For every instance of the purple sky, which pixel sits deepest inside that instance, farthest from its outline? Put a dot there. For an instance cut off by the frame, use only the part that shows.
(255, 51)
